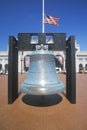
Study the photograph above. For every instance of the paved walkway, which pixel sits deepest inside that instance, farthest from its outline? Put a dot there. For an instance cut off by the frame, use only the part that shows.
(44, 113)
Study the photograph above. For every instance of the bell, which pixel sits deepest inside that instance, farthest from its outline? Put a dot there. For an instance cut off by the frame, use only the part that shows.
(42, 78)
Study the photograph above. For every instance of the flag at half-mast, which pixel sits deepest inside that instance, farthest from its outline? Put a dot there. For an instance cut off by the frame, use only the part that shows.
(51, 20)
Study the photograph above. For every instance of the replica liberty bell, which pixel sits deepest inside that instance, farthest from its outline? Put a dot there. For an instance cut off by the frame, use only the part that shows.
(42, 78)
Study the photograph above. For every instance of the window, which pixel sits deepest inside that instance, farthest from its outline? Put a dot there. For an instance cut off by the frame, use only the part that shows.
(0, 67)
(0, 59)
(86, 67)
(6, 67)
(6, 59)
(59, 61)
(49, 39)
(80, 67)
(86, 59)
(26, 62)
(34, 39)
(81, 59)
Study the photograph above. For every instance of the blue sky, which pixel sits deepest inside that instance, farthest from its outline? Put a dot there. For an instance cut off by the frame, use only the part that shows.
(23, 16)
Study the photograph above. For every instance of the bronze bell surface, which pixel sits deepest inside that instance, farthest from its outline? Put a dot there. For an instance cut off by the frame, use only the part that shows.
(42, 78)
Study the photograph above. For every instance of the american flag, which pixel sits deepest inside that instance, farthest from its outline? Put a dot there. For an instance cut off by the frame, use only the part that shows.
(51, 20)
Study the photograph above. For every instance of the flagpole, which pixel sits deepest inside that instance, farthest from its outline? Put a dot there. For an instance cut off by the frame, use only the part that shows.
(42, 16)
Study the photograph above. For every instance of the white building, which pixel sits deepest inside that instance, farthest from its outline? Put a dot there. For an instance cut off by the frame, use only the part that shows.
(81, 59)
(23, 60)
(4, 61)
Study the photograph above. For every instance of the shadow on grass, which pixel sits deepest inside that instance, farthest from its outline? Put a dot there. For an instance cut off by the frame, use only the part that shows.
(42, 101)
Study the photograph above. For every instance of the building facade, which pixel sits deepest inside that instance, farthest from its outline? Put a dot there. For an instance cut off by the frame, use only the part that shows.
(4, 61)
(60, 58)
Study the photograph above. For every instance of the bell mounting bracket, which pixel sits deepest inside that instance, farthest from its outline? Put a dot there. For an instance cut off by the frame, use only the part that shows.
(28, 42)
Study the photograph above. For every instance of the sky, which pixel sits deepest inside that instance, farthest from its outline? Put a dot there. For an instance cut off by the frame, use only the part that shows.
(25, 16)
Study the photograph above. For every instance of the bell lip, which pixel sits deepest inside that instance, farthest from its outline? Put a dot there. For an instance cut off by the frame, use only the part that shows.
(28, 89)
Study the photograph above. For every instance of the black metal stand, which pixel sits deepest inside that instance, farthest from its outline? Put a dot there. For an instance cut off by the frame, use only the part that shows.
(13, 70)
(70, 70)
(24, 43)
